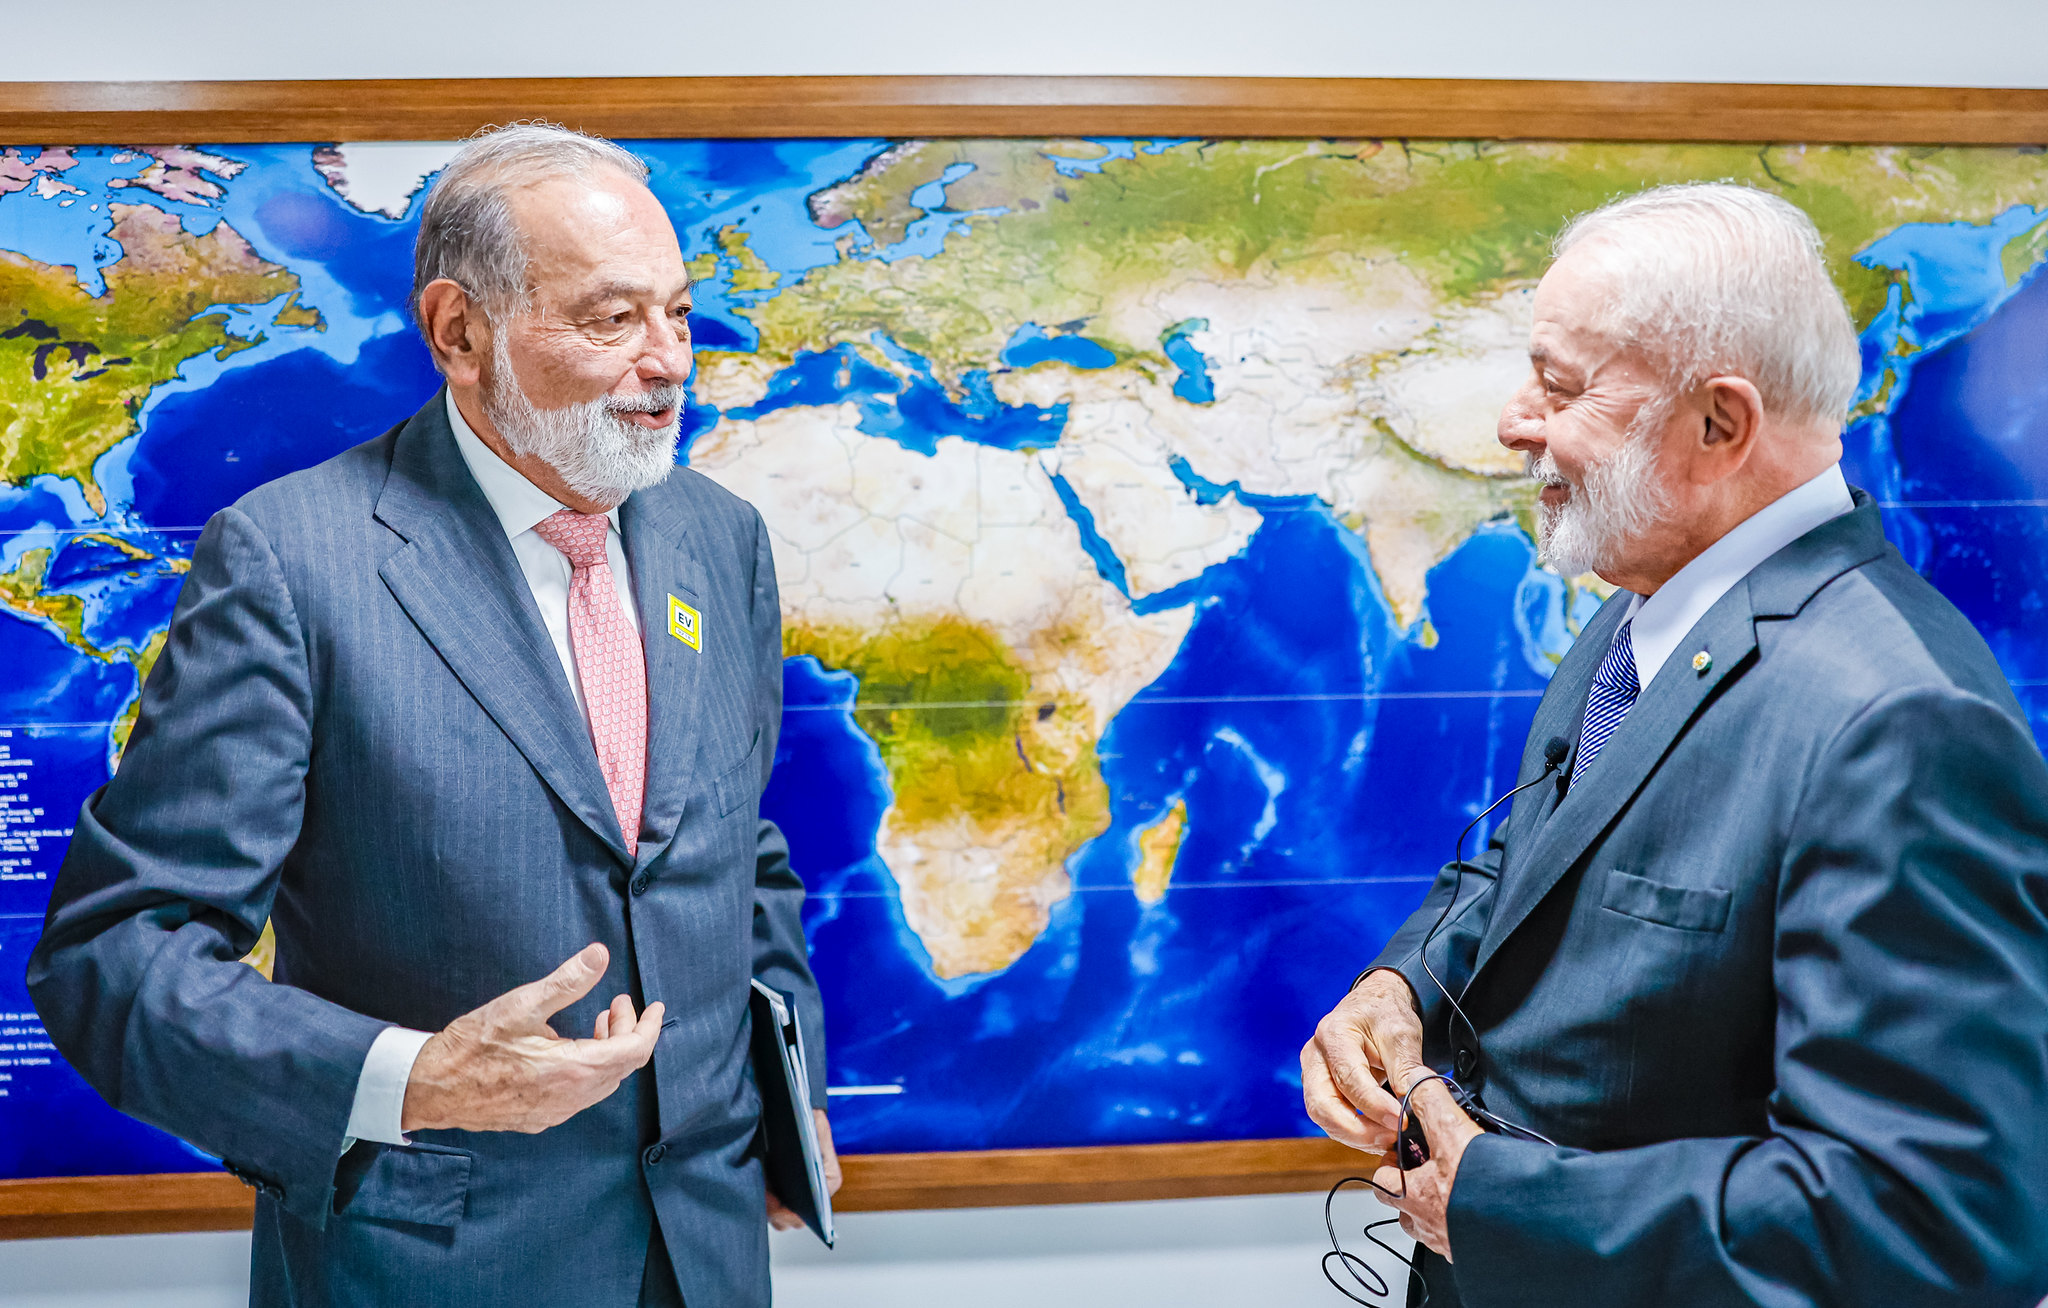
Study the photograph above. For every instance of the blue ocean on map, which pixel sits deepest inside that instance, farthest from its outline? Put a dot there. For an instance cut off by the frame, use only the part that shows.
(1326, 754)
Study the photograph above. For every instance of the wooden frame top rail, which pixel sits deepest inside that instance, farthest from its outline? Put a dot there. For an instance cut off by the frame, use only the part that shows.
(214, 1201)
(78, 113)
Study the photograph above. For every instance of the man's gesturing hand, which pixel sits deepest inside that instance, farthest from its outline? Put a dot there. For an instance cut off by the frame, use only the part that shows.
(1373, 1036)
(502, 1068)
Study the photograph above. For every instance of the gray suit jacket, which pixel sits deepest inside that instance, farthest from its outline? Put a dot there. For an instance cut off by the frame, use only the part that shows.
(360, 730)
(1774, 972)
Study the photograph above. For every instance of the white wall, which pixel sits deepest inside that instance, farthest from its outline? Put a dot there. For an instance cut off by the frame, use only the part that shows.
(1194, 1253)
(1937, 42)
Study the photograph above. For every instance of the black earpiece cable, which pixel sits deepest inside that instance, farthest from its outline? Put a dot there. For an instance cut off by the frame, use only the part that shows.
(1354, 1266)
(1554, 751)
(1357, 1269)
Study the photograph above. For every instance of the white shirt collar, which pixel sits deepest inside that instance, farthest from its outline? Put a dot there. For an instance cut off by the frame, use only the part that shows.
(518, 503)
(1660, 622)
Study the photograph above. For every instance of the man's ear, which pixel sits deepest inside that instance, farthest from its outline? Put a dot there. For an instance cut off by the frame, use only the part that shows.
(1734, 418)
(456, 332)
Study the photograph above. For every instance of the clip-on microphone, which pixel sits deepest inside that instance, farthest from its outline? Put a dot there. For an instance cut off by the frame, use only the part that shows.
(1412, 1149)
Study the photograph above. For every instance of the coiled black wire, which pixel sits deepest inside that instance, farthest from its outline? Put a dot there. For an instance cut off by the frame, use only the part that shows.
(1354, 1266)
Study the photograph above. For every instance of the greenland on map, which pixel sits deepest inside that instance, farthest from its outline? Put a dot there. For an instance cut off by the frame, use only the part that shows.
(1157, 601)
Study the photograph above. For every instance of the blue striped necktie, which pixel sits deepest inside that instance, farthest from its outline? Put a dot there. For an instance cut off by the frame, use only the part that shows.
(1614, 692)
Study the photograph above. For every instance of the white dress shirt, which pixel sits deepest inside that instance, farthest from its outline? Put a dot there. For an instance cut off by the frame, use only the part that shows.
(1660, 622)
(380, 1091)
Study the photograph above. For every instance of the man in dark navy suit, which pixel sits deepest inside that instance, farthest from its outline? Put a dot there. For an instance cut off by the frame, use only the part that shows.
(1764, 949)
(493, 691)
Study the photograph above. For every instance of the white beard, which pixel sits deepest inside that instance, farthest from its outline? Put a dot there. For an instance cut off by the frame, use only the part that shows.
(1622, 498)
(602, 456)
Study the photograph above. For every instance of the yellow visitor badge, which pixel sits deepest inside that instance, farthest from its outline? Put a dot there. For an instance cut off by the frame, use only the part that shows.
(684, 624)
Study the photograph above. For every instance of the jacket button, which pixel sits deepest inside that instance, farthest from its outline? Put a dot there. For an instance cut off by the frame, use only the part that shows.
(655, 1153)
(640, 884)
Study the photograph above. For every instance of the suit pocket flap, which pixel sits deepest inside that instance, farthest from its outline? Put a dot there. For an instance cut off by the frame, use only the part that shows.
(1672, 906)
(422, 1184)
(735, 786)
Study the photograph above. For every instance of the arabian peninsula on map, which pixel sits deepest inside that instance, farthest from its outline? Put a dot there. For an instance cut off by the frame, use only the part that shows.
(1158, 603)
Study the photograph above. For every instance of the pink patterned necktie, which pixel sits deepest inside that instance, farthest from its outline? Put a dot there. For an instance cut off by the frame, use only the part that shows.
(609, 662)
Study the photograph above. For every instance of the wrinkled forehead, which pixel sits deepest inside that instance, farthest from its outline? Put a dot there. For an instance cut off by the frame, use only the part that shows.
(1580, 286)
(1574, 309)
(608, 229)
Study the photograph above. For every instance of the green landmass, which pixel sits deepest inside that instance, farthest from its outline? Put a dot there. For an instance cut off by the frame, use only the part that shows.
(750, 272)
(1158, 848)
(951, 711)
(75, 369)
(702, 267)
(111, 541)
(144, 659)
(746, 270)
(22, 592)
(879, 195)
(1469, 217)
(1880, 400)
(2022, 253)
(986, 770)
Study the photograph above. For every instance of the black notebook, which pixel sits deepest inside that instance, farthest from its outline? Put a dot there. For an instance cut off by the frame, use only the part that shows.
(796, 1169)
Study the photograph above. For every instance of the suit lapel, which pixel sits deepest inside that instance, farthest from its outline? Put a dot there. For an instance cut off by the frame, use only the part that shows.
(458, 580)
(1559, 715)
(1778, 588)
(664, 566)
(1658, 718)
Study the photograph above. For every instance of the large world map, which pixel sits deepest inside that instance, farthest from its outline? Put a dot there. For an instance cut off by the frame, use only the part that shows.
(1157, 601)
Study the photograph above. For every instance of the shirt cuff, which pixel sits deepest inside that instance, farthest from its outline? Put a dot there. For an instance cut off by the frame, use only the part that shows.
(379, 1110)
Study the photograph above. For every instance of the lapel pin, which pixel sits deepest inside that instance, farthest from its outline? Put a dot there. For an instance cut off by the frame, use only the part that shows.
(1702, 662)
(685, 625)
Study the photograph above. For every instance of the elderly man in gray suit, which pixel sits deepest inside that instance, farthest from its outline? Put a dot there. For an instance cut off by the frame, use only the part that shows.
(1750, 989)
(497, 689)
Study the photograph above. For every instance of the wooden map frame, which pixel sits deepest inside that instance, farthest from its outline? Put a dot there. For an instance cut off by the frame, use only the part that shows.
(112, 113)
(124, 113)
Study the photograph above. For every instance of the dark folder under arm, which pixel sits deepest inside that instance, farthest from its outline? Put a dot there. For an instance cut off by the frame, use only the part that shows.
(796, 1168)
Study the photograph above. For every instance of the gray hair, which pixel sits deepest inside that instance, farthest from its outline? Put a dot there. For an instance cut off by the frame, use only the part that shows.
(1717, 278)
(467, 232)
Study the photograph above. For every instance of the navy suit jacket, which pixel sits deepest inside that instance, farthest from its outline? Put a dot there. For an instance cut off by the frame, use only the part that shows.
(359, 730)
(1774, 973)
